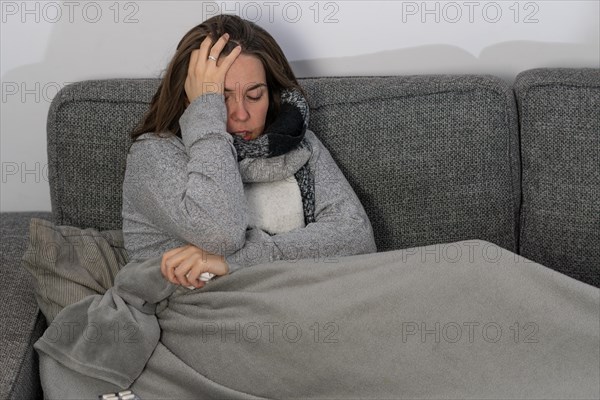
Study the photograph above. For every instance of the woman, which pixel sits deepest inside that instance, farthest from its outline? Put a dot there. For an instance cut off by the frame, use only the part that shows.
(224, 174)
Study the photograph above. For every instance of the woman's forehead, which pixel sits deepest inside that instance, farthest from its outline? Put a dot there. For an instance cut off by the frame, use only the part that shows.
(245, 73)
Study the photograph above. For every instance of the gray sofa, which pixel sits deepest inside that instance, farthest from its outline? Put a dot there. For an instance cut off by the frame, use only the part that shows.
(434, 159)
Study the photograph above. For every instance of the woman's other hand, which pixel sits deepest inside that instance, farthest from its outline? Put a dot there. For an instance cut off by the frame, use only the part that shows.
(206, 71)
(184, 265)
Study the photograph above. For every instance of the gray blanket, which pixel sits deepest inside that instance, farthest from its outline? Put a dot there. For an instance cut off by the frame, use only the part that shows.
(459, 320)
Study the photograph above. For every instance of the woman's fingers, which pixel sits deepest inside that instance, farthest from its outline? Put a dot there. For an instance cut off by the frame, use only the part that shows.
(173, 259)
(227, 61)
(193, 61)
(215, 51)
(194, 275)
(204, 73)
(199, 53)
(180, 275)
(168, 258)
(184, 265)
(204, 50)
(174, 262)
(199, 60)
(187, 272)
(196, 66)
(170, 272)
(230, 58)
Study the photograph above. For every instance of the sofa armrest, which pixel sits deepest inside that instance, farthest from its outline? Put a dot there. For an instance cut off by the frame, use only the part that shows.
(22, 323)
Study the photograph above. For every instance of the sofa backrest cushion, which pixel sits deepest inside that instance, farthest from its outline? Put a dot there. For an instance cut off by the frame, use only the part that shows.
(88, 138)
(433, 159)
(559, 112)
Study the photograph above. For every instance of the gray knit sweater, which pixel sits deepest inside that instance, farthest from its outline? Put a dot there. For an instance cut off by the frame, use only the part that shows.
(190, 190)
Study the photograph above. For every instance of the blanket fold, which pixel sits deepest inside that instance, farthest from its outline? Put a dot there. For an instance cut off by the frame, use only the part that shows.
(111, 337)
(457, 320)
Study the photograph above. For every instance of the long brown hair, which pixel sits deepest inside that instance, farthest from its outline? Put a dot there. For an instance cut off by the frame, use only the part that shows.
(169, 101)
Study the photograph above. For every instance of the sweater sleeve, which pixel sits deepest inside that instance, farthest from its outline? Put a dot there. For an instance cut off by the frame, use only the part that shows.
(341, 226)
(194, 194)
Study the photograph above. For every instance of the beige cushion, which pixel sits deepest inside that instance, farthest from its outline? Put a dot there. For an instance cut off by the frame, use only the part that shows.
(69, 263)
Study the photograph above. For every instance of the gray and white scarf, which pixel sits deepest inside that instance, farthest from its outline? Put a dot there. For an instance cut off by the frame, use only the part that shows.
(282, 149)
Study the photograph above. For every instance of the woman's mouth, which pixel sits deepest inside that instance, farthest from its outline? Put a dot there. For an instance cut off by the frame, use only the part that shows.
(246, 135)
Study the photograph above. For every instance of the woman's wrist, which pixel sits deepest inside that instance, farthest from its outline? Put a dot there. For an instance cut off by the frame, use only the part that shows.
(205, 115)
(232, 265)
(225, 265)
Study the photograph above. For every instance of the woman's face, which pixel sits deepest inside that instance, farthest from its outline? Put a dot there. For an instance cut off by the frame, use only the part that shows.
(246, 97)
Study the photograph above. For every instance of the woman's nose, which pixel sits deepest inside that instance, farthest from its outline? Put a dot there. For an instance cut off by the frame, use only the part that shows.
(238, 110)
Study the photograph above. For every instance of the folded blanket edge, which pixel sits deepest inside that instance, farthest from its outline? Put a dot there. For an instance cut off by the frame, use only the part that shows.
(111, 376)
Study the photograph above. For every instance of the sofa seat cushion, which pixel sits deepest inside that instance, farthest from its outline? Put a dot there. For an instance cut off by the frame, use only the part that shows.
(20, 321)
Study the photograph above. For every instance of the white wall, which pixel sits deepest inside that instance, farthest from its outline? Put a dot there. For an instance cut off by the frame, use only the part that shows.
(47, 44)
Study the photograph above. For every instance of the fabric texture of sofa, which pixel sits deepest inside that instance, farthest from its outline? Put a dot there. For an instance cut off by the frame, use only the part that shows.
(434, 159)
